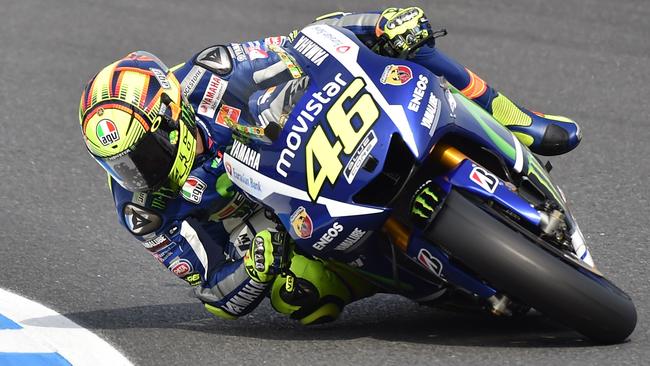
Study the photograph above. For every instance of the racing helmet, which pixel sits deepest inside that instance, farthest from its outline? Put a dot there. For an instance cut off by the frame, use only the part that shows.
(137, 124)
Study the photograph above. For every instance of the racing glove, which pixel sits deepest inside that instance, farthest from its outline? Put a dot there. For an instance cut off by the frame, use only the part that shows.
(263, 260)
(402, 31)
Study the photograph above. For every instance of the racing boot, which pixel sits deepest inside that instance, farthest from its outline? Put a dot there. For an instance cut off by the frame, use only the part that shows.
(544, 134)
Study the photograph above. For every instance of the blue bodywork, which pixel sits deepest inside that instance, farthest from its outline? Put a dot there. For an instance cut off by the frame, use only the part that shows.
(330, 224)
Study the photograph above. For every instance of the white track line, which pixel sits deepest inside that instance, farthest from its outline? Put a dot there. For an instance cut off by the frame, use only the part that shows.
(45, 330)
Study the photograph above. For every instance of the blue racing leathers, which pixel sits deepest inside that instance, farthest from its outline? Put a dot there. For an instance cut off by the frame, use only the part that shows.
(202, 234)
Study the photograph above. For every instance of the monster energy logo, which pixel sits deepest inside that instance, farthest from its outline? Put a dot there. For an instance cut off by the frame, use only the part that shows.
(187, 115)
(160, 198)
(424, 203)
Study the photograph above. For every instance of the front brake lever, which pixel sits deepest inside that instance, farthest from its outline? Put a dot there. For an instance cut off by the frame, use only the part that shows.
(429, 40)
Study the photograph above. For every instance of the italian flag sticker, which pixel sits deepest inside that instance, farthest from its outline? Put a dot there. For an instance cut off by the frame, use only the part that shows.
(107, 132)
(193, 190)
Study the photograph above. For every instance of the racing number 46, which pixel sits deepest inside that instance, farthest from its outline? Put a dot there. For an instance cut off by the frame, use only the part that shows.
(349, 132)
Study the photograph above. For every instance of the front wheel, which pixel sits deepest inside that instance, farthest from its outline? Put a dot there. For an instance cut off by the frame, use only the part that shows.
(513, 264)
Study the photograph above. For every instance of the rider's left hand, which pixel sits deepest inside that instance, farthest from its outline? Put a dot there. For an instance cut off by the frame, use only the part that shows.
(263, 260)
(402, 30)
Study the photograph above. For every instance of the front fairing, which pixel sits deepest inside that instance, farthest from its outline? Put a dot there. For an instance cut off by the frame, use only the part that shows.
(309, 175)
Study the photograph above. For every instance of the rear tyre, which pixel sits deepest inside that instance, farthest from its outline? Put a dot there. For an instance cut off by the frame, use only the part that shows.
(515, 265)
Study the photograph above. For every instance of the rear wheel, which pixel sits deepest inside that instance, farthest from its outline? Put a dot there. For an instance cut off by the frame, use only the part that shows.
(513, 264)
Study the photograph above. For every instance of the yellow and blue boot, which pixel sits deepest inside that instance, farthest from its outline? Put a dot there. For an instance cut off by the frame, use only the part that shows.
(544, 134)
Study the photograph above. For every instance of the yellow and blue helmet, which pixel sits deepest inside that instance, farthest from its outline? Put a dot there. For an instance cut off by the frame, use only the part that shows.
(137, 124)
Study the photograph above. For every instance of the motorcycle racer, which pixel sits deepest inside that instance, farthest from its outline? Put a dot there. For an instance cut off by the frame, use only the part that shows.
(160, 134)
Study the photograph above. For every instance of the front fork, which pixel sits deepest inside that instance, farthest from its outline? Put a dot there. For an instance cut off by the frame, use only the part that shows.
(427, 254)
(425, 205)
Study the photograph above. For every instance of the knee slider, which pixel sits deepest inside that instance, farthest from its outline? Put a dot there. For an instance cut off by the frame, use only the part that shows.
(311, 307)
(219, 312)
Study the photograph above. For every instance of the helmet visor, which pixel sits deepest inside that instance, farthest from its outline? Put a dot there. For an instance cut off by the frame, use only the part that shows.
(145, 166)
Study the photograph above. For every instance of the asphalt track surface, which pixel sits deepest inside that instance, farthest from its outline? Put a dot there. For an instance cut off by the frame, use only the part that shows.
(62, 246)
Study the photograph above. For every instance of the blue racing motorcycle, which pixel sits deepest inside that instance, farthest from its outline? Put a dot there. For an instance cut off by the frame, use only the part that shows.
(384, 169)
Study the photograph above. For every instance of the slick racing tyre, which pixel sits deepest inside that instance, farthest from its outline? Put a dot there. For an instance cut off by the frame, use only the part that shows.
(513, 264)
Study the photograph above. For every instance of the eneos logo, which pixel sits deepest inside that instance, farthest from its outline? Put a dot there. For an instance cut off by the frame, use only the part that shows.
(107, 132)
(396, 75)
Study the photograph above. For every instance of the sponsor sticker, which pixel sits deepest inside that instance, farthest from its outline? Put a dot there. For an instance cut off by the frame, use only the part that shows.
(243, 241)
(301, 223)
(157, 243)
(139, 197)
(238, 51)
(181, 267)
(418, 93)
(432, 263)
(139, 220)
(252, 44)
(331, 40)
(277, 40)
(107, 132)
(244, 298)
(310, 50)
(359, 156)
(164, 253)
(431, 114)
(242, 179)
(191, 80)
(193, 189)
(342, 49)
(173, 230)
(351, 240)
(245, 154)
(216, 160)
(329, 235)
(212, 96)
(216, 59)
(193, 279)
(227, 112)
(484, 179)
(397, 75)
(255, 53)
(161, 77)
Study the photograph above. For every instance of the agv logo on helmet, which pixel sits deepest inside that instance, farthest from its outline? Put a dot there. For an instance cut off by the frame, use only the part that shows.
(107, 132)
